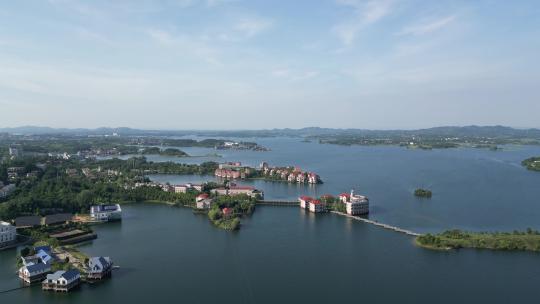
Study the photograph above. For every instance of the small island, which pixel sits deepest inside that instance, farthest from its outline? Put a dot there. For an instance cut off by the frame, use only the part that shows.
(532, 163)
(423, 193)
(455, 239)
(165, 152)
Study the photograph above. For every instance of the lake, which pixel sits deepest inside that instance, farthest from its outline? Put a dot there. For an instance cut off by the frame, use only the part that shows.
(285, 255)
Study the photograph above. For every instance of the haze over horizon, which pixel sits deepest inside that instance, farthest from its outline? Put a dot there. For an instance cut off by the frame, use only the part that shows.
(233, 64)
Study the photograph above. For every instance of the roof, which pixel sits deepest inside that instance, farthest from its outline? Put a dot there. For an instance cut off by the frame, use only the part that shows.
(55, 276)
(24, 221)
(103, 261)
(70, 274)
(227, 210)
(202, 195)
(44, 256)
(345, 194)
(58, 218)
(44, 248)
(306, 198)
(315, 202)
(38, 267)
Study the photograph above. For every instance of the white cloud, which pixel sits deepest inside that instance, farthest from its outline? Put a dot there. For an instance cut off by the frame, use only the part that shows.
(186, 44)
(365, 13)
(426, 28)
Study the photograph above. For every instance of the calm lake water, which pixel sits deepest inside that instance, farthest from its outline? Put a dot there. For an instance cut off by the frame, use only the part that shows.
(284, 255)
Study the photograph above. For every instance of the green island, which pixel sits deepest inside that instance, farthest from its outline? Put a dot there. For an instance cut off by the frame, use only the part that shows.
(165, 152)
(532, 163)
(423, 193)
(455, 239)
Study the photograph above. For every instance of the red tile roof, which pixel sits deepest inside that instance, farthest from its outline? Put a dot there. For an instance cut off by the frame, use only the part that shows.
(202, 195)
(306, 198)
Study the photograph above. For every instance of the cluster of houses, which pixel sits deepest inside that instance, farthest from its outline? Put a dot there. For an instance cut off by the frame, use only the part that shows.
(233, 170)
(290, 174)
(354, 204)
(38, 268)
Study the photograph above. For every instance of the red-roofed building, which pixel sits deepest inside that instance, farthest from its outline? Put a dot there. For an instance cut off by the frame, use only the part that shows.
(227, 211)
(317, 206)
(304, 201)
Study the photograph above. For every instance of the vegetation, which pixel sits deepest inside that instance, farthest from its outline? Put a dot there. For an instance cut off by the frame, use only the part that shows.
(423, 193)
(532, 163)
(241, 205)
(165, 152)
(455, 239)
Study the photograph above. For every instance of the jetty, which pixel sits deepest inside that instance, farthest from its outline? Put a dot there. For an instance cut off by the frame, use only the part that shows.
(385, 226)
(285, 203)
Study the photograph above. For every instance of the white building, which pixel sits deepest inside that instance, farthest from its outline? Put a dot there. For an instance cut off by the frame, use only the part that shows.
(35, 272)
(203, 201)
(304, 201)
(355, 204)
(106, 212)
(99, 267)
(62, 280)
(8, 234)
(317, 206)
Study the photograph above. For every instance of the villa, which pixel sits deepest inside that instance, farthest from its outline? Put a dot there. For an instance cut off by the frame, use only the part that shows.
(99, 268)
(8, 234)
(34, 273)
(62, 280)
(106, 213)
(317, 206)
(304, 201)
(355, 204)
(203, 201)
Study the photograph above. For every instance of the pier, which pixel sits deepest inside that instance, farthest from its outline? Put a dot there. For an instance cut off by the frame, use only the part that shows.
(385, 226)
(285, 203)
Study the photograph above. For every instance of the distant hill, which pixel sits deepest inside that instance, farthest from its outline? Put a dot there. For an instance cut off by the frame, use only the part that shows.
(448, 131)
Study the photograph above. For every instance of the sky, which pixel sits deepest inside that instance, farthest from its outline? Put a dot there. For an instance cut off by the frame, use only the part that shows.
(253, 64)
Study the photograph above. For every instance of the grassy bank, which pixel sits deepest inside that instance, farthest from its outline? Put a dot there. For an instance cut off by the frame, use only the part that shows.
(455, 239)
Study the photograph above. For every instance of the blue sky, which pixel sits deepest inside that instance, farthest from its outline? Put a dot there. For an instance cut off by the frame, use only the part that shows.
(233, 64)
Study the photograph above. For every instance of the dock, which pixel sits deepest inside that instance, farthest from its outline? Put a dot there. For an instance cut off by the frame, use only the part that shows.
(284, 203)
(385, 226)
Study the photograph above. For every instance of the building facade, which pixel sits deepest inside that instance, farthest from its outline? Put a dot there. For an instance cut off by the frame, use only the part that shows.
(355, 204)
(62, 280)
(8, 234)
(106, 213)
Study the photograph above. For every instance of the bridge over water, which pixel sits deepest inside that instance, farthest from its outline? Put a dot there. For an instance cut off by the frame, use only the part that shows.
(291, 203)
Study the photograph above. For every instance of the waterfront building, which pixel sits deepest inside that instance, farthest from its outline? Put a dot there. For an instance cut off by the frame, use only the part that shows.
(203, 201)
(236, 190)
(62, 280)
(304, 201)
(106, 213)
(355, 204)
(8, 234)
(34, 273)
(228, 173)
(230, 165)
(46, 257)
(99, 268)
(317, 206)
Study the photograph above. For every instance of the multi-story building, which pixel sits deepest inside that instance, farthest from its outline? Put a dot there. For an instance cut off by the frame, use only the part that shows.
(8, 234)
(106, 212)
(355, 204)
(203, 201)
(317, 206)
(304, 201)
